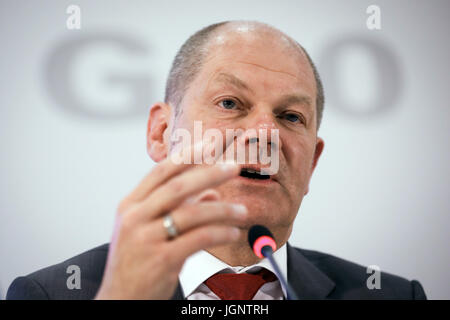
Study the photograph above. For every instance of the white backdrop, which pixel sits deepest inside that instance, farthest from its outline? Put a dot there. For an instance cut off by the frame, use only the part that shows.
(73, 107)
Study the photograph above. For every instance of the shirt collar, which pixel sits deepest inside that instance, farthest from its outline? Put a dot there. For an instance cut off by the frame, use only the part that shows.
(202, 265)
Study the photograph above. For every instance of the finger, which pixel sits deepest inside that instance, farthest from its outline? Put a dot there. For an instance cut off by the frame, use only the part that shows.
(174, 192)
(160, 173)
(193, 216)
(180, 159)
(207, 195)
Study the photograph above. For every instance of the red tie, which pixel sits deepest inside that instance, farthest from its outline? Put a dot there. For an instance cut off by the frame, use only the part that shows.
(238, 286)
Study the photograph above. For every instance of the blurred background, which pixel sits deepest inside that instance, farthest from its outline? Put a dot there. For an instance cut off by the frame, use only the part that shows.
(74, 104)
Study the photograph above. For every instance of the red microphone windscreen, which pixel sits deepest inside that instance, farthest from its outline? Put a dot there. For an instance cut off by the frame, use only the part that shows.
(259, 237)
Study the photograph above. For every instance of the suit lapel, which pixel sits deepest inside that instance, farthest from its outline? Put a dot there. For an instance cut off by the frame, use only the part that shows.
(305, 278)
(178, 294)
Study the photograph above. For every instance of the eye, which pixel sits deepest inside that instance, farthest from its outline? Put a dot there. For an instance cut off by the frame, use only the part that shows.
(228, 104)
(292, 117)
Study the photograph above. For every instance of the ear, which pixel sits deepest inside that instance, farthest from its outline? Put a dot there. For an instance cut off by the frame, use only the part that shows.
(320, 144)
(157, 128)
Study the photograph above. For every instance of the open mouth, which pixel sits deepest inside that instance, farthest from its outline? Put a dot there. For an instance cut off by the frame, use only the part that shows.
(253, 174)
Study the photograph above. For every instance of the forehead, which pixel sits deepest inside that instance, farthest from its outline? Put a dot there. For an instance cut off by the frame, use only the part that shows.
(257, 53)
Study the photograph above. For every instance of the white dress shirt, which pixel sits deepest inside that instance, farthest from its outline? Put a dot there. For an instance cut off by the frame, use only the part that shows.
(202, 265)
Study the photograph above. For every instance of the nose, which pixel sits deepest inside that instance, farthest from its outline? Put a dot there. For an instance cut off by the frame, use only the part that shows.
(261, 129)
(260, 124)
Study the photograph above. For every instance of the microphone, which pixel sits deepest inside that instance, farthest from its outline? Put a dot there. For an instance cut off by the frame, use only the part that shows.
(263, 245)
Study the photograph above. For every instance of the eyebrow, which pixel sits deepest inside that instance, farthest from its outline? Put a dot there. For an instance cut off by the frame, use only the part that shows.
(291, 99)
(286, 100)
(233, 80)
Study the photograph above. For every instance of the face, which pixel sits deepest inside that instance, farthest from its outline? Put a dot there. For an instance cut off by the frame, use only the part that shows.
(252, 81)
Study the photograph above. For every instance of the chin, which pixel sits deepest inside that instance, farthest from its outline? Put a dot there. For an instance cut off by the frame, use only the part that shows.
(264, 211)
(266, 206)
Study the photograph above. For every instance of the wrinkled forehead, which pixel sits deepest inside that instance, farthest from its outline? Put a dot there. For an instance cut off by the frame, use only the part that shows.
(261, 45)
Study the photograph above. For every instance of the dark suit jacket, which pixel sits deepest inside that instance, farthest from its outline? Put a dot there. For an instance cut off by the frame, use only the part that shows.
(313, 275)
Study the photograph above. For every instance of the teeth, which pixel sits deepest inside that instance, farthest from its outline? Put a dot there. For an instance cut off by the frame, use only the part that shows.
(251, 171)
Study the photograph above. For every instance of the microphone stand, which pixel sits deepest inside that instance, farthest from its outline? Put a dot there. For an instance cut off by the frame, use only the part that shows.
(267, 252)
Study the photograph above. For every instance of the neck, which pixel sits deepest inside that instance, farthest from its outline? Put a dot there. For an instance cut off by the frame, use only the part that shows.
(239, 253)
(236, 254)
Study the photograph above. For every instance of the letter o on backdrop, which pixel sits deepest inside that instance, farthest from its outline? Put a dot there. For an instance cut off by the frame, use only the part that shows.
(385, 75)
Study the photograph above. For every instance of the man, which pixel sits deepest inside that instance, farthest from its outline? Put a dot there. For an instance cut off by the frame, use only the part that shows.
(182, 233)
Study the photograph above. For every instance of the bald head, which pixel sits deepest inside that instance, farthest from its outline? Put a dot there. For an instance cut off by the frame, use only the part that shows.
(193, 53)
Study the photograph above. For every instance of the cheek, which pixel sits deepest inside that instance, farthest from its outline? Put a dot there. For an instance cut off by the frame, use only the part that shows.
(298, 155)
(196, 112)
